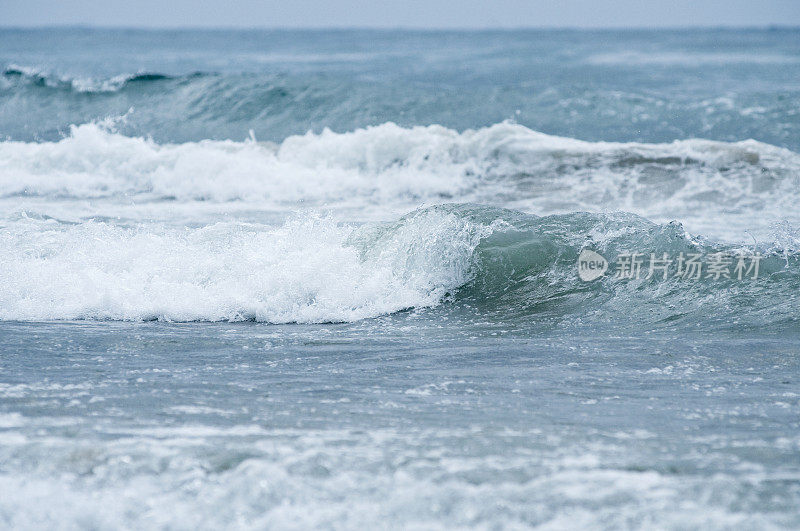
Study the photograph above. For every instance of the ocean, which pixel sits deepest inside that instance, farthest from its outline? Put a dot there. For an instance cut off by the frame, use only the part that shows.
(341, 279)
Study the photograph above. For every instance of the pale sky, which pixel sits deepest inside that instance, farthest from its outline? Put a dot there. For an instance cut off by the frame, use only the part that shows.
(400, 13)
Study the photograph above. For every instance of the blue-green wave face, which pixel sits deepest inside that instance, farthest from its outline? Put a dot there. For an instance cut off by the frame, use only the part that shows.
(525, 269)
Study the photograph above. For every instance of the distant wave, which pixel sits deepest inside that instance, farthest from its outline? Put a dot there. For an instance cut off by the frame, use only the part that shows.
(498, 262)
(689, 58)
(27, 76)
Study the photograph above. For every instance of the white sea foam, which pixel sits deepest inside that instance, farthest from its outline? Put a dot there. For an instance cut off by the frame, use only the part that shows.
(380, 163)
(248, 477)
(699, 182)
(308, 270)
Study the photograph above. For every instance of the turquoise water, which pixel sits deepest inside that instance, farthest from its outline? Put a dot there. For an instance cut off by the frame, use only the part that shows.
(293, 279)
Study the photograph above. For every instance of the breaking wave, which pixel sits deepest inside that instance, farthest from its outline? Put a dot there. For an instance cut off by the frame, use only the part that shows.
(502, 165)
(502, 262)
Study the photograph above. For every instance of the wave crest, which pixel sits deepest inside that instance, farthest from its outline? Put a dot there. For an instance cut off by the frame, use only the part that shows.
(15, 75)
(500, 263)
(388, 160)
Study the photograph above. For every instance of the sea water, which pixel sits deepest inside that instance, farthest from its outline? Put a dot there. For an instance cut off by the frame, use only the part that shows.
(294, 279)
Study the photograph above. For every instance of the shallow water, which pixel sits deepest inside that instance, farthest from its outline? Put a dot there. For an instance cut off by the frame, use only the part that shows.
(214, 425)
(329, 279)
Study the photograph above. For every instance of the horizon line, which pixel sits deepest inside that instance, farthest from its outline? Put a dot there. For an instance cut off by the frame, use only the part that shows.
(82, 26)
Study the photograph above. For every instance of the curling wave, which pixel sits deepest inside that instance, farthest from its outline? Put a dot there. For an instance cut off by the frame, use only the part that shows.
(501, 262)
